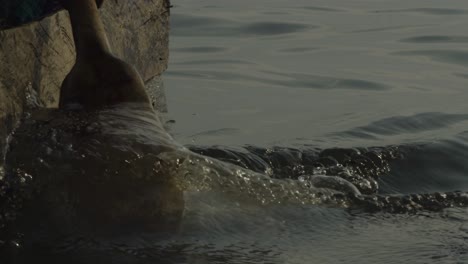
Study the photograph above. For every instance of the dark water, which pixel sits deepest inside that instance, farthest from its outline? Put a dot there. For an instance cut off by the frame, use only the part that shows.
(369, 93)
(305, 75)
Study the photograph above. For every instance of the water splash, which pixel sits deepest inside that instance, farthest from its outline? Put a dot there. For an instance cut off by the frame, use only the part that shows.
(128, 144)
(157, 93)
(33, 100)
(202, 174)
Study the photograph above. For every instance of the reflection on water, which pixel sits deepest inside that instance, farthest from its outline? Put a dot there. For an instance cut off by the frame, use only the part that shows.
(325, 133)
(360, 74)
(355, 62)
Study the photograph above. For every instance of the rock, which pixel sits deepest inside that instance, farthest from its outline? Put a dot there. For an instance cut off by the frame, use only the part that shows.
(37, 56)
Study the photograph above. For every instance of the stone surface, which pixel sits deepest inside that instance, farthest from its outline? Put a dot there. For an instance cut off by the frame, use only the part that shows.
(36, 57)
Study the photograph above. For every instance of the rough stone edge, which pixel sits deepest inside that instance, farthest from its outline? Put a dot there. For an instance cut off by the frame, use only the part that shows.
(37, 56)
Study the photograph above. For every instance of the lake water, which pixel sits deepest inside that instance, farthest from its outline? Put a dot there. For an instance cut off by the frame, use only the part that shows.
(329, 74)
(372, 92)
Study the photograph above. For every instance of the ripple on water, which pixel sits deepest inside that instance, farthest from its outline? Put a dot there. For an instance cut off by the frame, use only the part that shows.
(436, 39)
(216, 27)
(391, 28)
(289, 80)
(301, 80)
(321, 9)
(217, 132)
(216, 61)
(273, 28)
(429, 167)
(206, 49)
(298, 50)
(426, 11)
(183, 21)
(405, 124)
(455, 57)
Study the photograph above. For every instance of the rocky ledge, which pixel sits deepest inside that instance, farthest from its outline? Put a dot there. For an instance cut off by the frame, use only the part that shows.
(36, 57)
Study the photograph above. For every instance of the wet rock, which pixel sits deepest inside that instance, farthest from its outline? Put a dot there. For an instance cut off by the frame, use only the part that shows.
(37, 56)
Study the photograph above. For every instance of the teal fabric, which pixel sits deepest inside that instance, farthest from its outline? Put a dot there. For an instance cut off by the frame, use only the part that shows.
(14, 13)
(28, 10)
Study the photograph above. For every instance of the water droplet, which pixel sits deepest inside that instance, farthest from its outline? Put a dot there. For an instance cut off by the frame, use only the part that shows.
(15, 243)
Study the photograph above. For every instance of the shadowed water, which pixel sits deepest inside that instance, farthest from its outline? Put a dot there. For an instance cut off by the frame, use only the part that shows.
(325, 132)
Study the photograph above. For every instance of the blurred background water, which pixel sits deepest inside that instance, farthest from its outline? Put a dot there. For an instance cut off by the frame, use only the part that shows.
(328, 73)
(319, 75)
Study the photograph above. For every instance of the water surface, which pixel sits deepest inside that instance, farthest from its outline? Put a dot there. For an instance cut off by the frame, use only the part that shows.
(305, 75)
